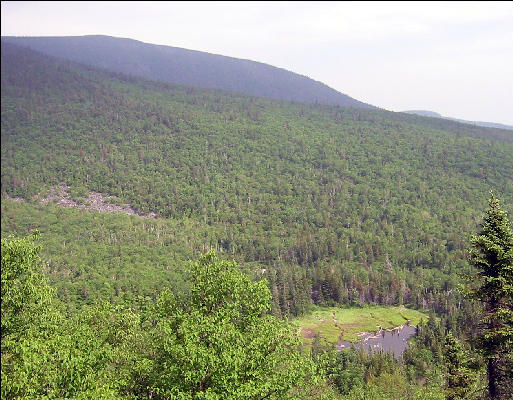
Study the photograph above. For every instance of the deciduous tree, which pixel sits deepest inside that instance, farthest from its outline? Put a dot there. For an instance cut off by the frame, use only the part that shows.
(220, 342)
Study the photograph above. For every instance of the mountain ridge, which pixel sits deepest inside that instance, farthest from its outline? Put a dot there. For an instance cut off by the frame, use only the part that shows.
(188, 67)
(433, 114)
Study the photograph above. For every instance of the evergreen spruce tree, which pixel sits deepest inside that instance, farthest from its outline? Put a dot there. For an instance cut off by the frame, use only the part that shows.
(460, 379)
(492, 256)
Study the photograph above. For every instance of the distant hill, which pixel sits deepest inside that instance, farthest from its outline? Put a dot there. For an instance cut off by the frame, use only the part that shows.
(433, 114)
(188, 67)
(424, 113)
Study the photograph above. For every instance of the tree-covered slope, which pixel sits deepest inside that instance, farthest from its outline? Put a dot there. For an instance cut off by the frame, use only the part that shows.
(332, 203)
(187, 67)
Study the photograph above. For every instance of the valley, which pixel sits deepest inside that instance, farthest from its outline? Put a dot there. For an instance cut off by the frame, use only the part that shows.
(195, 239)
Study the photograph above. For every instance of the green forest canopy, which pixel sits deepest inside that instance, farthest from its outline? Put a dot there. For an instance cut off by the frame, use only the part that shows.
(331, 205)
(337, 205)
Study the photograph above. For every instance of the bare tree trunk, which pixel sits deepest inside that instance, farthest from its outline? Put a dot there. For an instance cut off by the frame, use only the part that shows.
(492, 378)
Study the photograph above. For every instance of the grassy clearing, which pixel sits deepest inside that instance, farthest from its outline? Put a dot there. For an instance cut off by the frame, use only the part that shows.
(333, 322)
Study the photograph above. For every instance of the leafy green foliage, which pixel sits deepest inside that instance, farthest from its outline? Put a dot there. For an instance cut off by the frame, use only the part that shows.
(220, 344)
(94, 256)
(44, 354)
(373, 376)
(25, 293)
(217, 341)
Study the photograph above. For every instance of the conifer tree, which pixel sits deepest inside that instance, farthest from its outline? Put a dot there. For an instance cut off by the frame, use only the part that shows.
(459, 377)
(492, 256)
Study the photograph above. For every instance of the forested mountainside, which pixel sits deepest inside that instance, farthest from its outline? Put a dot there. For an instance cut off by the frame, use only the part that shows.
(188, 67)
(333, 205)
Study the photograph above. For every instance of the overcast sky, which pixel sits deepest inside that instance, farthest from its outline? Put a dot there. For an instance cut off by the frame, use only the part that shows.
(455, 58)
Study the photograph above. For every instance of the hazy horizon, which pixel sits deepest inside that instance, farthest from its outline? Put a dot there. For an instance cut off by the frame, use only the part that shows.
(450, 58)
